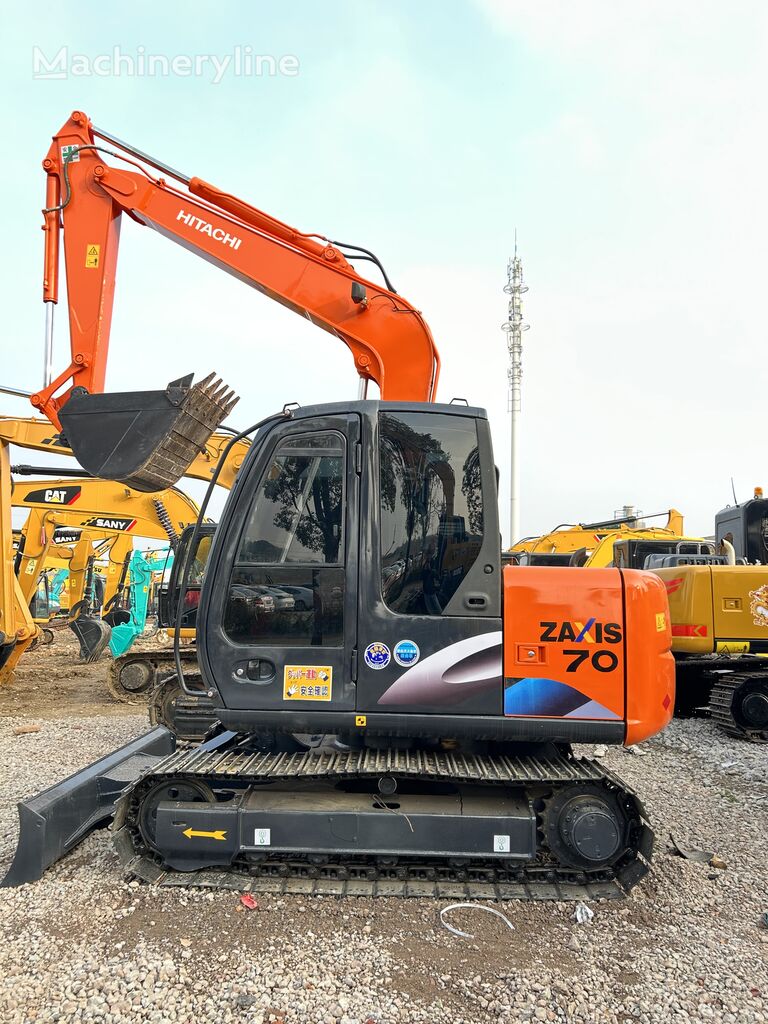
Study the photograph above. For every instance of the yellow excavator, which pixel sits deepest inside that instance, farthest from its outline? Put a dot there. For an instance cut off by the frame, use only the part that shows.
(591, 544)
(134, 676)
(72, 552)
(81, 503)
(718, 606)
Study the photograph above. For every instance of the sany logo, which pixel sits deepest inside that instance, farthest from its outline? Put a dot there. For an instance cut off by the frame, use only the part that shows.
(589, 632)
(53, 496)
(672, 586)
(103, 523)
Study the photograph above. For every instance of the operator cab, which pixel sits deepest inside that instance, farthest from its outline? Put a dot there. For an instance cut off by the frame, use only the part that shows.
(746, 527)
(637, 554)
(361, 541)
(168, 593)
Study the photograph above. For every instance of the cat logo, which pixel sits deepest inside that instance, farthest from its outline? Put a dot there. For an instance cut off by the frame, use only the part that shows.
(53, 496)
(105, 523)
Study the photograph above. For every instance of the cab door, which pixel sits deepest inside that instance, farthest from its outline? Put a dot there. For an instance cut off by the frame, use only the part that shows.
(280, 631)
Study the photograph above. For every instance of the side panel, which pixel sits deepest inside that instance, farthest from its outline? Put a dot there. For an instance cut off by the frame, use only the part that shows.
(410, 662)
(740, 601)
(650, 663)
(564, 644)
(689, 591)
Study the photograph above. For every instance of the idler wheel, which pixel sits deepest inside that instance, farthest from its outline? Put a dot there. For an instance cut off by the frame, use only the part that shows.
(135, 677)
(186, 791)
(750, 705)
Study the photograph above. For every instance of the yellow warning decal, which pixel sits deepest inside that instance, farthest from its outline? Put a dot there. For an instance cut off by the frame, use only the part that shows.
(92, 256)
(307, 682)
(360, 720)
(193, 833)
(732, 647)
(31, 566)
(661, 621)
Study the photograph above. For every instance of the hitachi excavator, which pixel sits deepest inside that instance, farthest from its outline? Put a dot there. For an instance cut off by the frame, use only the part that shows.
(407, 730)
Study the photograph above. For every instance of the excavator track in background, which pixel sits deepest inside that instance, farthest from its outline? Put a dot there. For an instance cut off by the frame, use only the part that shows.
(134, 676)
(189, 719)
(402, 796)
(738, 703)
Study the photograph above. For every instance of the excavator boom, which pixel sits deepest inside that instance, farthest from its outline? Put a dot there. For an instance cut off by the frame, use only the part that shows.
(147, 439)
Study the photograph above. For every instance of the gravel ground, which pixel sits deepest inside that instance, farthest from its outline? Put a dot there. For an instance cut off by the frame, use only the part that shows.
(84, 944)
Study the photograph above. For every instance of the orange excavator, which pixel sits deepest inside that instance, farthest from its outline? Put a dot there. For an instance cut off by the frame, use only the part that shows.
(396, 710)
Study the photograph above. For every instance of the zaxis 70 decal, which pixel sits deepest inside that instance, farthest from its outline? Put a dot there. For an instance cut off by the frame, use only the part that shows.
(590, 632)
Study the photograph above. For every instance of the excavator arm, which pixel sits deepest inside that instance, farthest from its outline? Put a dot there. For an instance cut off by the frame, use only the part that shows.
(148, 438)
(108, 506)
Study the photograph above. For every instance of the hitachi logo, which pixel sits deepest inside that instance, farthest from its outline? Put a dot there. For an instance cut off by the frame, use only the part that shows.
(208, 229)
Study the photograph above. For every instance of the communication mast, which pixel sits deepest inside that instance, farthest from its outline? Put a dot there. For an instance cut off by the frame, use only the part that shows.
(514, 326)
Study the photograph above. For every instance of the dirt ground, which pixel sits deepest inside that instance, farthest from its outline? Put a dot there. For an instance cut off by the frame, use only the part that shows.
(51, 682)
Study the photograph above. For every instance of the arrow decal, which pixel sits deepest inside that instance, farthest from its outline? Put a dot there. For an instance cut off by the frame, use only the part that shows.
(193, 833)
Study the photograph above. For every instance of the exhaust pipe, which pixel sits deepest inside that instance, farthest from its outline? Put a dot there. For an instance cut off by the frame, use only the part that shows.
(145, 439)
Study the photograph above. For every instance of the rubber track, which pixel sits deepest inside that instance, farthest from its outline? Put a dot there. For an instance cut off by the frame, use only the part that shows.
(479, 879)
(721, 703)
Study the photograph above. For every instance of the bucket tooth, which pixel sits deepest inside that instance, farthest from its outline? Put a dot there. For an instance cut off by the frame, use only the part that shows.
(145, 439)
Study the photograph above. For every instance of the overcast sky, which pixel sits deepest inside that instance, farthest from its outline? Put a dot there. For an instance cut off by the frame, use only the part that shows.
(626, 142)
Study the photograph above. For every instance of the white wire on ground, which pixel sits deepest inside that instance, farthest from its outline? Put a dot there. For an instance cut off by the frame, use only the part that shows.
(471, 906)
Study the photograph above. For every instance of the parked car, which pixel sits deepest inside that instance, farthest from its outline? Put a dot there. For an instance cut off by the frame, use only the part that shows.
(284, 602)
(303, 597)
(257, 598)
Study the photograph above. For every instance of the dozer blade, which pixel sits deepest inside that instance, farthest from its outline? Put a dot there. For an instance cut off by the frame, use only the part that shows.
(145, 439)
(93, 635)
(56, 820)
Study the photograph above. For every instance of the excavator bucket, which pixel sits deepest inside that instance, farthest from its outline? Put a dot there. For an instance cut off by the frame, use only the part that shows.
(122, 638)
(56, 820)
(145, 439)
(93, 634)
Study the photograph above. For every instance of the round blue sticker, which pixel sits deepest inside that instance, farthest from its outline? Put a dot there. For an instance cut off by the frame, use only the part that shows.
(406, 653)
(377, 655)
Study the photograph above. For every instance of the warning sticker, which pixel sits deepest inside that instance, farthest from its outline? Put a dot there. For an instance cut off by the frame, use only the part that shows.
(92, 256)
(661, 621)
(307, 682)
